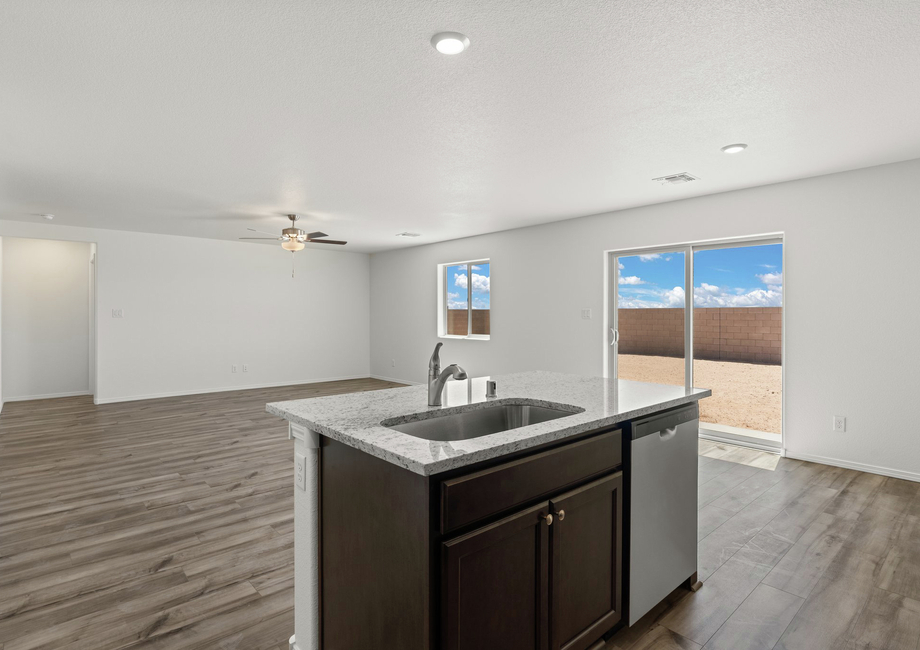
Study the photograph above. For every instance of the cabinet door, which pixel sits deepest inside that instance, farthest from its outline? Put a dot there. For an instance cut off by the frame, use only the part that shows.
(496, 585)
(586, 563)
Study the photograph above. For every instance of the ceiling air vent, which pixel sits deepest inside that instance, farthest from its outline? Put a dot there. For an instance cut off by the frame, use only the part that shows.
(409, 234)
(676, 179)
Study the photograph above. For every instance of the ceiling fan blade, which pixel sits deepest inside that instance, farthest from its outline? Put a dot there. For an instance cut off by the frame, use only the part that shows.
(311, 235)
(263, 238)
(327, 241)
(262, 231)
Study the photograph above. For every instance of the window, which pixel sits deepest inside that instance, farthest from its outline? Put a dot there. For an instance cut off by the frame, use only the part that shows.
(466, 299)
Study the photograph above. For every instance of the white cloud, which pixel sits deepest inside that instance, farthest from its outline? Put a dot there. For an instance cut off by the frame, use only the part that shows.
(476, 268)
(479, 303)
(767, 266)
(656, 299)
(651, 298)
(709, 289)
(638, 303)
(630, 279)
(456, 304)
(649, 258)
(452, 296)
(674, 297)
(709, 295)
(706, 295)
(480, 282)
(771, 278)
(620, 264)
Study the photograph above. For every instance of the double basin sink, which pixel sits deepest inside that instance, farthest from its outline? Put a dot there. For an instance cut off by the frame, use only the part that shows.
(478, 421)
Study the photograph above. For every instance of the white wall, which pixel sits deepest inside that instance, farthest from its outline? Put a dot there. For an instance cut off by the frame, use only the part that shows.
(852, 314)
(46, 325)
(193, 307)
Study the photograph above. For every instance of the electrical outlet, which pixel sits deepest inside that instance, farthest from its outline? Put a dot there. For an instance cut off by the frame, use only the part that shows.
(586, 314)
(233, 368)
(392, 363)
(245, 368)
(300, 471)
(118, 313)
(840, 423)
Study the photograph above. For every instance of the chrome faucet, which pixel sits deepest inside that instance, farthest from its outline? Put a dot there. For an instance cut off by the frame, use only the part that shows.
(437, 378)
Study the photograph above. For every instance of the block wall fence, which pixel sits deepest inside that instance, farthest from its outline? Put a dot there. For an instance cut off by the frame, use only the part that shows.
(747, 334)
(457, 321)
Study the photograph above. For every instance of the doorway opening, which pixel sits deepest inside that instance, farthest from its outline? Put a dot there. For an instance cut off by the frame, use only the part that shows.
(48, 319)
(707, 315)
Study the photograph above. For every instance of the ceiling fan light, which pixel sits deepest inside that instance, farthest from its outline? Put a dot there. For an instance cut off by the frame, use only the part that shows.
(292, 245)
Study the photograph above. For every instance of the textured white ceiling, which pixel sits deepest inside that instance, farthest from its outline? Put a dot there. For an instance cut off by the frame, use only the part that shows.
(202, 118)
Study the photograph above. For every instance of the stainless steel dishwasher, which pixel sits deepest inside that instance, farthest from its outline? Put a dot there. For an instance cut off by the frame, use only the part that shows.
(661, 475)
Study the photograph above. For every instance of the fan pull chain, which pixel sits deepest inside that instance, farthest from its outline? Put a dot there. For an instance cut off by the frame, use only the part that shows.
(292, 264)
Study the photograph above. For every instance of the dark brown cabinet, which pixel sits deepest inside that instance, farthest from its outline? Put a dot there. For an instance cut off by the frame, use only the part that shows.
(496, 583)
(587, 563)
(549, 576)
(520, 553)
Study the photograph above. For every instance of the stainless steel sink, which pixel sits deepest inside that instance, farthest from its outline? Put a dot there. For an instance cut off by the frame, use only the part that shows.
(478, 422)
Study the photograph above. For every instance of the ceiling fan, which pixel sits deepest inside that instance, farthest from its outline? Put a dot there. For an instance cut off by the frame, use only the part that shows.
(293, 238)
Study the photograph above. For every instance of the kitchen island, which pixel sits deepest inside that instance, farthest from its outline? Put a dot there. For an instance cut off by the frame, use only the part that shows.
(407, 537)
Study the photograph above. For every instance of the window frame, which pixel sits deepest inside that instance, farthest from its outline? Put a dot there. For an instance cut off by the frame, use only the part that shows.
(443, 308)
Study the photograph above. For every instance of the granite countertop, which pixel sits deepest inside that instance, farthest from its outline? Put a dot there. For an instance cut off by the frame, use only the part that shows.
(354, 419)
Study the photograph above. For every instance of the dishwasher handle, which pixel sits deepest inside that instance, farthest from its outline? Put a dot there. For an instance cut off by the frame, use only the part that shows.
(663, 422)
(666, 434)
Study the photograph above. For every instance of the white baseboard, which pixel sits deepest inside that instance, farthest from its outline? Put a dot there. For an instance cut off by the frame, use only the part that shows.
(862, 467)
(397, 381)
(223, 389)
(27, 398)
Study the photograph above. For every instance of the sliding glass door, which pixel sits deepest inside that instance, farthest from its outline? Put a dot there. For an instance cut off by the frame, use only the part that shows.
(648, 338)
(709, 316)
(737, 340)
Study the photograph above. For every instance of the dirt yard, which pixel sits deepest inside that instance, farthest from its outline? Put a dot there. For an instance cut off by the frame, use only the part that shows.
(744, 395)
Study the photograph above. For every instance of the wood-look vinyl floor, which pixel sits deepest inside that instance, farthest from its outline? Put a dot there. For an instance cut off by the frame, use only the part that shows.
(153, 524)
(803, 557)
(169, 524)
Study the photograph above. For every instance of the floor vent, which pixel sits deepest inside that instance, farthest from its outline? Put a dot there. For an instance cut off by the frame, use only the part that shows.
(676, 179)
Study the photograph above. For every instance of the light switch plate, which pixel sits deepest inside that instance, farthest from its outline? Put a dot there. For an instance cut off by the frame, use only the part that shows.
(118, 313)
(300, 471)
(586, 314)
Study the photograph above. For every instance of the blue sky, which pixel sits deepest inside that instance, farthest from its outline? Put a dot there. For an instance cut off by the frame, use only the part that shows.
(748, 276)
(457, 283)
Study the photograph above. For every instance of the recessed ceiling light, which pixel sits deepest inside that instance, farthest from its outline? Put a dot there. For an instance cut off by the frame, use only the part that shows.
(408, 234)
(49, 217)
(450, 42)
(734, 148)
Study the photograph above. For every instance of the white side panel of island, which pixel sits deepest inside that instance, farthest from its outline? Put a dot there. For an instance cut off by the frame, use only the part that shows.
(306, 543)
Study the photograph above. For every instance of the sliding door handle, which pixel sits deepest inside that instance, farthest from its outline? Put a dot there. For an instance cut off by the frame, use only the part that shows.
(614, 336)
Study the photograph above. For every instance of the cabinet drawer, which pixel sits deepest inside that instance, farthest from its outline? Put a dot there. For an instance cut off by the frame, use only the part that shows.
(470, 498)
